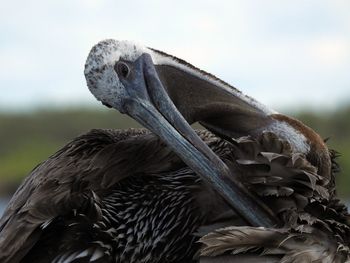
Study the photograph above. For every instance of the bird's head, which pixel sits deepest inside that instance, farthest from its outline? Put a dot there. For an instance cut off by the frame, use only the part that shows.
(107, 63)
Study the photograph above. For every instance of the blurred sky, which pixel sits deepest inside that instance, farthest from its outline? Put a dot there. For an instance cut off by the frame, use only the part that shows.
(287, 54)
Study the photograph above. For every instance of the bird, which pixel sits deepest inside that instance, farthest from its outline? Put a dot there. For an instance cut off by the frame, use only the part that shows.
(252, 185)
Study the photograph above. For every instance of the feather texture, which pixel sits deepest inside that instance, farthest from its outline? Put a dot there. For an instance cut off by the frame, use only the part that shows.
(110, 196)
(315, 224)
(117, 196)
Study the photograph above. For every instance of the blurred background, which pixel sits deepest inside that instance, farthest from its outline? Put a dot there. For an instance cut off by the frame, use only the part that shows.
(293, 56)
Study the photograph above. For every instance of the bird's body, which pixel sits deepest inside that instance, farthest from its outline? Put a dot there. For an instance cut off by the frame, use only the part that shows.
(259, 187)
(158, 211)
(135, 201)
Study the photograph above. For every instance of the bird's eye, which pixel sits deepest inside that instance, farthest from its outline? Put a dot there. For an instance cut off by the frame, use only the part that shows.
(122, 69)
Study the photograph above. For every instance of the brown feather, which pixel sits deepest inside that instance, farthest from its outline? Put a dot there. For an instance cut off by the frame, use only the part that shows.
(316, 224)
(85, 171)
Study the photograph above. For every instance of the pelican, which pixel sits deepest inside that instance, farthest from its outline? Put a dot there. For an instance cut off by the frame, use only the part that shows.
(255, 185)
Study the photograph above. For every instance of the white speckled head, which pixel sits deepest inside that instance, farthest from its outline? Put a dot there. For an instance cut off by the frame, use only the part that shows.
(100, 75)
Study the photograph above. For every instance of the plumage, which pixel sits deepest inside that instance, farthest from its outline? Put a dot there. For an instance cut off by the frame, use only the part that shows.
(316, 225)
(263, 244)
(134, 199)
(255, 186)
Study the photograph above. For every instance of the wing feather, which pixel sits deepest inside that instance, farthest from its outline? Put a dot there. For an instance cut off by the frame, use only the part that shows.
(89, 165)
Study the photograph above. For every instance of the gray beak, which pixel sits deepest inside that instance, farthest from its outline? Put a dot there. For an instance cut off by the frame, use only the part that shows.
(149, 104)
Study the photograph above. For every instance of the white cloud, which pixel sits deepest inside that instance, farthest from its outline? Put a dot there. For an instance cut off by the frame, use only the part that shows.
(332, 52)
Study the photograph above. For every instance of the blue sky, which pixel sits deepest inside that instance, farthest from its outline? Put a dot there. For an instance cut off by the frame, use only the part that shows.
(287, 54)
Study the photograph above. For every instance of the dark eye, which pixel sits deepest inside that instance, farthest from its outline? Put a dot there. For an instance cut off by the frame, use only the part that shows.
(122, 69)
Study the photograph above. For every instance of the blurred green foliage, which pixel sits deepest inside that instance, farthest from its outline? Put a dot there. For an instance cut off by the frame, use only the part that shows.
(334, 125)
(29, 138)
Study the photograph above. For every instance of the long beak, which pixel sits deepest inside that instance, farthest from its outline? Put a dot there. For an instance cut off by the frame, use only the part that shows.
(150, 105)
